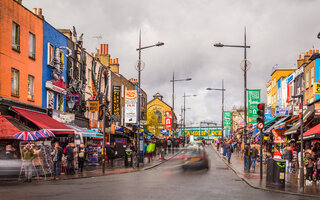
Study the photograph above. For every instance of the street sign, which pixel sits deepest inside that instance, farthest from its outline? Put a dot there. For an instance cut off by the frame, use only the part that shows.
(280, 112)
(316, 88)
(260, 125)
(227, 120)
(253, 101)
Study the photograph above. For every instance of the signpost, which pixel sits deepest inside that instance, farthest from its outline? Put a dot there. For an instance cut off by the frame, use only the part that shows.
(226, 123)
(253, 101)
(131, 106)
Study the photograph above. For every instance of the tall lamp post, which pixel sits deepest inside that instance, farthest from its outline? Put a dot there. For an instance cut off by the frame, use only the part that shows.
(140, 147)
(222, 105)
(175, 80)
(184, 114)
(245, 77)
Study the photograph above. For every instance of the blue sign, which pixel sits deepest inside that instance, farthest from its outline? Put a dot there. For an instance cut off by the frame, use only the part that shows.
(267, 117)
(164, 132)
(290, 78)
(280, 112)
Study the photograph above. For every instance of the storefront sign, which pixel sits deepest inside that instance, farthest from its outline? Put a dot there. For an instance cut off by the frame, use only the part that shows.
(204, 132)
(168, 120)
(253, 101)
(296, 110)
(93, 106)
(131, 106)
(51, 86)
(116, 102)
(227, 120)
(316, 88)
(164, 132)
(63, 117)
(280, 112)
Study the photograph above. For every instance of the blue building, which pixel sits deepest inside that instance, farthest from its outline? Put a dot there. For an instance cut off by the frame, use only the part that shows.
(54, 75)
(317, 75)
(279, 93)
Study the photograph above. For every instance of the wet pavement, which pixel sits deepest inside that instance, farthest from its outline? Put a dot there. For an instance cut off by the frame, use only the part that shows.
(166, 181)
(292, 181)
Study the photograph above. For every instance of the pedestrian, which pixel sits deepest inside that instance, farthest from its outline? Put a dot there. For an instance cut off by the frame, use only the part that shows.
(254, 155)
(288, 157)
(10, 152)
(229, 150)
(247, 156)
(307, 161)
(110, 154)
(28, 156)
(56, 158)
(169, 144)
(70, 158)
(218, 144)
(149, 151)
(81, 157)
(37, 163)
(224, 148)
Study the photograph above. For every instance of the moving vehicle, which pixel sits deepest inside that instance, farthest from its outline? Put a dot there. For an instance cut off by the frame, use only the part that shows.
(195, 158)
(10, 169)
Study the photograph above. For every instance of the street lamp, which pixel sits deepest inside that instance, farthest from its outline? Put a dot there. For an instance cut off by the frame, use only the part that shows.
(245, 77)
(140, 147)
(222, 106)
(175, 80)
(184, 114)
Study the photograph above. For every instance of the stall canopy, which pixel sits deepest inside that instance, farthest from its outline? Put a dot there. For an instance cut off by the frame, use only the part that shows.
(268, 130)
(7, 129)
(313, 133)
(43, 121)
(296, 126)
(85, 132)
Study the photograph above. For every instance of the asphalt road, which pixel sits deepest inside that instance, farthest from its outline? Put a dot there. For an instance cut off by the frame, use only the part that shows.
(166, 181)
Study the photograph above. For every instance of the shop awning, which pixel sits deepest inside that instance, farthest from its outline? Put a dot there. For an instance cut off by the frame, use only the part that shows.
(268, 130)
(282, 125)
(97, 134)
(313, 133)
(7, 129)
(294, 128)
(85, 132)
(43, 121)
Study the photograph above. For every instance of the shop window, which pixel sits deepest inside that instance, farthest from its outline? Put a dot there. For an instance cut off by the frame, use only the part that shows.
(60, 102)
(312, 77)
(32, 46)
(50, 54)
(15, 36)
(122, 91)
(14, 82)
(30, 87)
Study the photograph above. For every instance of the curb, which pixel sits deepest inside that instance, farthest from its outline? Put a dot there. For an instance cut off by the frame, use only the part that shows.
(151, 167)
(264, 189)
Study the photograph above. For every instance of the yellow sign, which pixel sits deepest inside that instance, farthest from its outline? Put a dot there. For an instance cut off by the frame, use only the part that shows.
(316, 88)
(93, 106)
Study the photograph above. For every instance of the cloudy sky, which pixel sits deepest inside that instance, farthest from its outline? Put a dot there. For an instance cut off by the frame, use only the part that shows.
(277, 31)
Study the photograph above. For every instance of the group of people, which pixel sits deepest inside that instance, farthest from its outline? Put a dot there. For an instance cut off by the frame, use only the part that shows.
(227, 146)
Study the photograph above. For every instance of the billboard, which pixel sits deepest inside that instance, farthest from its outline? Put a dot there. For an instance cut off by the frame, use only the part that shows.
(131, 106)
(227, 120)
(168, 120)
(116, 103)
(204, 132)
(253, 101)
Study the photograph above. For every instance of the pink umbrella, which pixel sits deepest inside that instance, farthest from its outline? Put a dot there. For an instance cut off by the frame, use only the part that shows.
(26, 136)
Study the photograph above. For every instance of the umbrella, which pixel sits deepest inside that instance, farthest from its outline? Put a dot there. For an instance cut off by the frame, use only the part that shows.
(47, 132)
(39, 134)
(26, 136)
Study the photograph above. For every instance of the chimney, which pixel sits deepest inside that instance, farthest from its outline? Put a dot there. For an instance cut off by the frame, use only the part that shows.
(117, 60)
(310, 52)
(317, 51)
(101, 47)
(110, 61)
(98, 51)
(40, 13)
(299, 56)
(35, 11)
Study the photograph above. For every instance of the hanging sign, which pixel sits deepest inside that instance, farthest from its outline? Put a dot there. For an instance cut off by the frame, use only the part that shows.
(253, 101)
(131, 106)
(93, 106)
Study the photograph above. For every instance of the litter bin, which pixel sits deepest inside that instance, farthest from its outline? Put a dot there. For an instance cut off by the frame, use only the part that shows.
(276, 169)
(128, 158)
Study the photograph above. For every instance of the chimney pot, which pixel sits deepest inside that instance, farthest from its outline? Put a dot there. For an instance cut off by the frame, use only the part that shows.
(310, 51)
(117, 60)
(317, 51)
(107, 49)
(97, 51)
(101, 47)
(110, 61)
(299, 56)
(35, 11)
(114, 60)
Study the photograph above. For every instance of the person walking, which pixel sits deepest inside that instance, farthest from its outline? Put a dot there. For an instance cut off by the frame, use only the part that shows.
(247, 155)
(28, 156)
(288, 157)
(149, 151)
(110, 154)
(218, 144)
(169, 144)
(308, 163)
(254, 156)
(229, 150)
(70, 158)
(81, 157)
(56, 158)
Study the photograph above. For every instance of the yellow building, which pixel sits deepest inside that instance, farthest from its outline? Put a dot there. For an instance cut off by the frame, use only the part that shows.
(275, 76)
(269, 93)
(157, 110)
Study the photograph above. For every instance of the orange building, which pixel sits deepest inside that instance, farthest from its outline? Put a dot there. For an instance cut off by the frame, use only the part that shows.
(21, 36)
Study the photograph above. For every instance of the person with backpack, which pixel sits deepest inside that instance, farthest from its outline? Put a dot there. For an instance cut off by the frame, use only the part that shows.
(288, 157)
(307, 161)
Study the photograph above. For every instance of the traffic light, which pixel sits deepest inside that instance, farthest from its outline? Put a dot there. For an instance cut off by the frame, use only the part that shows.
(260, 118)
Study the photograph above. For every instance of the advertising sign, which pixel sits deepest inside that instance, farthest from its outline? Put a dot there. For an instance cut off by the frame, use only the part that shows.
(116, 103)
(168, 120)
(280, 112)
(93, 106)
(253, 101)
(227, 120)
(63, 117)
(204, 132)
(316, 88)
(131, 106)
(164, 132)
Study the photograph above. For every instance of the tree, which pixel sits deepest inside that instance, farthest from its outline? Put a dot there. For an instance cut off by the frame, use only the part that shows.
(152, 123)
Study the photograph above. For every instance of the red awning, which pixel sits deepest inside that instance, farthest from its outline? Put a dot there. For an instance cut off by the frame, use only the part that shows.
(313, 133)
(43, 121)
(7, 130)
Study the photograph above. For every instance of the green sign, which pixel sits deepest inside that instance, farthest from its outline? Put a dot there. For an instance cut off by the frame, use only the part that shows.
(204, 132)
(227, 120)
(253, 101)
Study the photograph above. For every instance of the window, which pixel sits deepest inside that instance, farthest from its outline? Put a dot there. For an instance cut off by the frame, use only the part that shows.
(60, 102)
(159, 116)
(50, 54)
(307, 79)
(15, 36)
(312, 76)
(14, 82)
(30, 87)
(122, 91)
(32, 46)
(89, 75)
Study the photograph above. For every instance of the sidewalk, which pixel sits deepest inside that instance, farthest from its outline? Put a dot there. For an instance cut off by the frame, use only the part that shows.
(94, 171)
(253, 178)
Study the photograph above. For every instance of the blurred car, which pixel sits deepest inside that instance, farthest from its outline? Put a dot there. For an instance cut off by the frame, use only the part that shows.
(10, 169)
(195, 143)
(195, 158)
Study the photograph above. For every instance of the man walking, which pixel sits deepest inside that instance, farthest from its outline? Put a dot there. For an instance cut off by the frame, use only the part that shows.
(288, 157)
(70, 157)
(57, 156)
(229, 150)
(254, 155)
(247, 155)
(28, 156)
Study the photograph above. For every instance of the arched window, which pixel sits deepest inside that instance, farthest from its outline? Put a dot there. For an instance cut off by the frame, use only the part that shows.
(159, 115)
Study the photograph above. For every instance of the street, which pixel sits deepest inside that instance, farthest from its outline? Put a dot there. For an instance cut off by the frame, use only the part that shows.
(166, 181)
